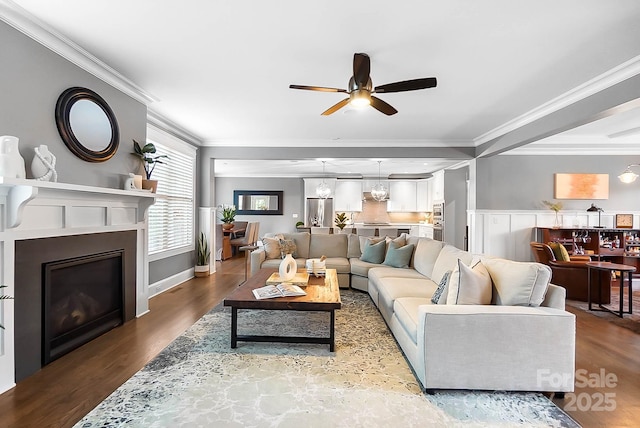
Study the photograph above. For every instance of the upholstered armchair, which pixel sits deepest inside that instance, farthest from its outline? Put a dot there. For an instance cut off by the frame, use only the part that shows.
(573, 274)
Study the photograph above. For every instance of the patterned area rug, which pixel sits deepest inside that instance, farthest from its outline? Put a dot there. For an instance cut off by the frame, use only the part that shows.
(198, 381)
(630, 321)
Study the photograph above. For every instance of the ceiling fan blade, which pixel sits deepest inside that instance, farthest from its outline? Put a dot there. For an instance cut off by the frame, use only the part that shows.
(361, 69)
(334, 108)
(382, 106)
(407, 85)
(317, 88)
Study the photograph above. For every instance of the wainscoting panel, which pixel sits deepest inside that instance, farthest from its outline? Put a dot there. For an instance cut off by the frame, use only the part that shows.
(508, 233)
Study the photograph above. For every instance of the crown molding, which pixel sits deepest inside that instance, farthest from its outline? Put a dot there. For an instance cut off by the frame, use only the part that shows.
(36, 29)
(159, 121)
(336, 142)
(576, 146)
(612, 77)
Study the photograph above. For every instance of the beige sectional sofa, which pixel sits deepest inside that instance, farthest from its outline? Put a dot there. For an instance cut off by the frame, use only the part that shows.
(521, 338)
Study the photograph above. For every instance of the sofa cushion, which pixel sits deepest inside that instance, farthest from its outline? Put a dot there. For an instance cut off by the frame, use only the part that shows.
(353, 246)
(425, 255)
(275, 263)
(518, 283)
(469, 285)
(340, 264)
(360, 267)
(440, 295)
(301, 239)
(328, 245)
(393, 288)
(398, 256)
(271, 248)
(448, 260)
(373, 252)
(381, 271)
(406, 311)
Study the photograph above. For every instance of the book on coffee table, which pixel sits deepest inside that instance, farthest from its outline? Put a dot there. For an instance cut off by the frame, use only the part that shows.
(301, 279)
(284, 289)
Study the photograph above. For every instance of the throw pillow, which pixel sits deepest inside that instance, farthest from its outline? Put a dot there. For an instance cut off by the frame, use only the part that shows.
(469, 285)
(518, 283)
(373, 252)
(398, 256)
(560, 252)
(272, 248)
(440, 295)
(287, 246)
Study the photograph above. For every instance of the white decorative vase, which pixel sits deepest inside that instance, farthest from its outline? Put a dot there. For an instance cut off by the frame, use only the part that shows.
(288, 268)
(11, 163)
(43, 165)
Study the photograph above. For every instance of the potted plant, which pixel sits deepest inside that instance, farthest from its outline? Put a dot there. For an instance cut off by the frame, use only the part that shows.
(341, 220)
(202, 256)
(555, 207)
(150, 159)
(228, 216)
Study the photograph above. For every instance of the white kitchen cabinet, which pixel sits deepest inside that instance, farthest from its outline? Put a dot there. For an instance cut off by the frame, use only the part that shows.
(422, 231)
(423, 202)
(402, 196)
(348, 196)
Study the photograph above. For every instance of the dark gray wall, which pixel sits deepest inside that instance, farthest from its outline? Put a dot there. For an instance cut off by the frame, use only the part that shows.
(31, 79)
(521, 182)
(455, 210)
(293, 189)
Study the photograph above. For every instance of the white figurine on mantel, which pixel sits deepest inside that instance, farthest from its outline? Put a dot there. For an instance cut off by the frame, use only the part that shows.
(11, 163)
(43, 166)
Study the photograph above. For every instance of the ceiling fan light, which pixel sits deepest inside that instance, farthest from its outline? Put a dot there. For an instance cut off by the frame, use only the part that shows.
(628, 176)
(360, 98)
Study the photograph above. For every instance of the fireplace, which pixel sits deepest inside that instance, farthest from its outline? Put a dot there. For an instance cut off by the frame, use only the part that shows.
(82, 299)
(72, 289)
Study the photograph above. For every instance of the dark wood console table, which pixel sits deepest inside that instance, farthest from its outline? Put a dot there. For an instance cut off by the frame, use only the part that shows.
(612, 267)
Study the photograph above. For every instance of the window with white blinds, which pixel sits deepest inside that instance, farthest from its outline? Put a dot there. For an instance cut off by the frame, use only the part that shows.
(171, 218)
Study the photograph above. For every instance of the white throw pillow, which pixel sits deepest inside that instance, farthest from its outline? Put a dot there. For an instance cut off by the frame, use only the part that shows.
(469, 285)
(518, 283)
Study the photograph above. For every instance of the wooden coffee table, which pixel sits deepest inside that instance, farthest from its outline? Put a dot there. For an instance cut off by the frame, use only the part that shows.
(323, 295)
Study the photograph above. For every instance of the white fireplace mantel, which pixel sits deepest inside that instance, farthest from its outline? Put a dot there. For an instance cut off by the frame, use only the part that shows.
(31, 209)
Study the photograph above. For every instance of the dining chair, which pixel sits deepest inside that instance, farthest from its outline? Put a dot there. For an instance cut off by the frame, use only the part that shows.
(365, 231)
(391, 232)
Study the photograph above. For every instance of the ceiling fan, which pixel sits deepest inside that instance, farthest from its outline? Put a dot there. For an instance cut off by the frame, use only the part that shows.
(361, 88)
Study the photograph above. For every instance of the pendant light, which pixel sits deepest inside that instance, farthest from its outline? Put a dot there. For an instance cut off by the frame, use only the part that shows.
(323, 191)
(628, 176)
(378, 191)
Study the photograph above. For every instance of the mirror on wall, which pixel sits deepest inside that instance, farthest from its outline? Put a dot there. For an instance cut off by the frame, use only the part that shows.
(258, 202)
(87, 124)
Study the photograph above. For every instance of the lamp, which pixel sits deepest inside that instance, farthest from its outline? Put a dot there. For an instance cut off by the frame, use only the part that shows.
(360, 98)
(593, 208)
(628, 176)
(378, 191)
(323, 191)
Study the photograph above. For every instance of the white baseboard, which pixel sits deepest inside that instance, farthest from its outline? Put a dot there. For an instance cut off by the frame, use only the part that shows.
(170, 282)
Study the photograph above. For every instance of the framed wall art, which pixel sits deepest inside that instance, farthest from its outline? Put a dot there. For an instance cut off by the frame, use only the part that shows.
(581, 186)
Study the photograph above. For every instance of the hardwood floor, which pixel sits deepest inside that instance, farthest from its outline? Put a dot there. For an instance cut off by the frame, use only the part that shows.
(63, 392)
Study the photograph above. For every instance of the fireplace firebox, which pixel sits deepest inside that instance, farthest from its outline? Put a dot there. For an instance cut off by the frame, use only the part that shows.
(69, 290)
(82, 299)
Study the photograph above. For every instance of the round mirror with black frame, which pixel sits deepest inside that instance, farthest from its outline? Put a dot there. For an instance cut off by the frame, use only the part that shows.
(87, 124)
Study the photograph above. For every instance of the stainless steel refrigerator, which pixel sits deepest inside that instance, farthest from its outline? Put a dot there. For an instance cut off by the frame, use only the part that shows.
(319, 212)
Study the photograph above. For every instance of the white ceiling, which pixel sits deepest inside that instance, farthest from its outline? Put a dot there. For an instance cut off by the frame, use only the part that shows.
(220, 70)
